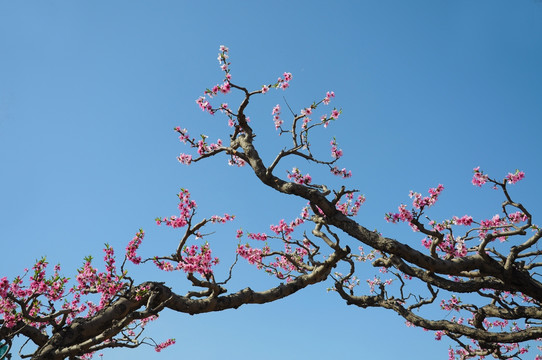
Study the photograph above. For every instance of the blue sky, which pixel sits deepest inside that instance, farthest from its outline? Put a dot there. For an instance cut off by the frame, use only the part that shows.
(90, 93)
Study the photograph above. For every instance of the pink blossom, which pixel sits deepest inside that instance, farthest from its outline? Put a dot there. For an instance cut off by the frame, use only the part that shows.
(186, 208)
(420, 202)
(235, 160)
(324, 120)
(276, 116)
(464, 220)
(403, 215)
(4, 287)
(350, 207)
(258, 236)
(336, 153)
(306, 111)
(495, 223)
(305, 213)
(163, 265)
(252, 255)
(196, 259)
(335, 114)
(184, 134)
(479, 178)
(328, 97)
(515, 177)
(296, 176)
(164, 345)
(451, 304)
(285, 229)
(225, 88)
(426, 242)
(342, 173)
(306, 120)
(222, 219)
(517, 217)
(132, 247)
(205, 105)
(185, 159)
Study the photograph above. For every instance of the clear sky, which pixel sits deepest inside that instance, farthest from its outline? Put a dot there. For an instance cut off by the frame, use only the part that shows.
(90, 93)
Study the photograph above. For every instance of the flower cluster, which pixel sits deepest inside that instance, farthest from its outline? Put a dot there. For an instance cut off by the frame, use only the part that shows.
(464, 220)
(349, 283)
(184, 134)
(223, 88)
(420, 202)
(350, 207)
(252, 255)
(451, 304)
(185, 158)
(285, 229)
(34, 303)
(222, 219)
(163, 265)
(132, 247)
(285, 262)
(403, 215)
(236, 160)
(186, 208)
(258, 236)
(203, 148)
(107, 283)
(496, 224)
(198, 260)
(284, 83)
(515, 177)
(336, 153)
(288, 262)
(306, 111)
(205, 105)
(164, 345)
(217, 89)
(341, 172)
(276, 116)
(517, 217)
(376, 281)
(142, 291)
(452, 247)
(305, 213)
(365, 257)
(479, 177)
(222, 58)
(296, 176)
(327, 99)
(52, 289)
